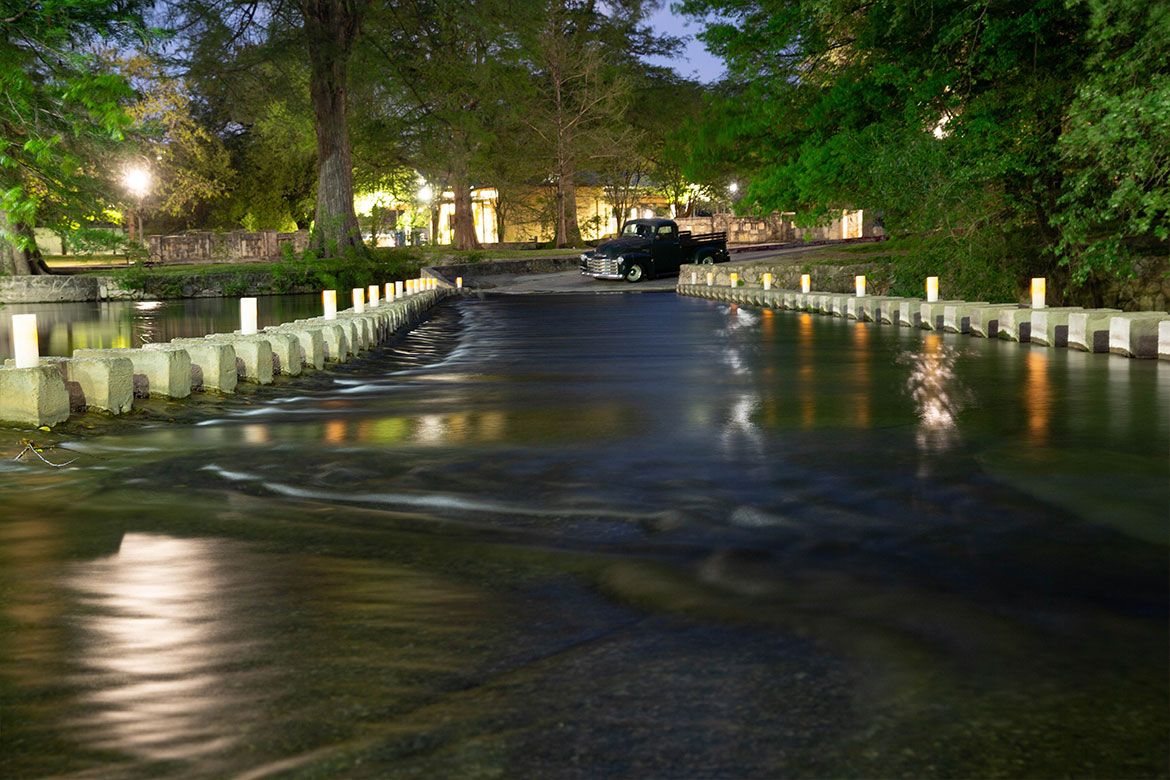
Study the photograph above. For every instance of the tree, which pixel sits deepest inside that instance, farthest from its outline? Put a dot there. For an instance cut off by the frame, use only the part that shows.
(244, 33)
(59, 107)
(1116, 144)
(442, 76)
(826, 103)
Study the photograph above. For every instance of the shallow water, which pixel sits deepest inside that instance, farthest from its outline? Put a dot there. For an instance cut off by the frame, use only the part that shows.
(621, 536)
(64, 327)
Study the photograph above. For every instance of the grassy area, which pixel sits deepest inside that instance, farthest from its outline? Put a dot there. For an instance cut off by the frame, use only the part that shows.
(293, 274)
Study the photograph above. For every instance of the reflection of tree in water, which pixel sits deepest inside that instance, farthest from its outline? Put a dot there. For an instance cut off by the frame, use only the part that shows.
(936, 394)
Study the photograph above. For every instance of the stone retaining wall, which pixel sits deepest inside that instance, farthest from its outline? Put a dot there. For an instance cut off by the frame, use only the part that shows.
(212, 247)
(785, 275)
(48, 289)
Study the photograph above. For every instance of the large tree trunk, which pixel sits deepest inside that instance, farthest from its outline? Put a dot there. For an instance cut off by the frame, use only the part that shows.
(19, 255)
(464, 232)
(568, 233)
(330, 29)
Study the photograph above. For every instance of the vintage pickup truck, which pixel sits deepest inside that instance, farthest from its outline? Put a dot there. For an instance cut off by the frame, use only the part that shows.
(652, 247)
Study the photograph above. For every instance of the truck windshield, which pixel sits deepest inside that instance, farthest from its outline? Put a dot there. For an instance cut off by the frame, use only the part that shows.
(636, 229)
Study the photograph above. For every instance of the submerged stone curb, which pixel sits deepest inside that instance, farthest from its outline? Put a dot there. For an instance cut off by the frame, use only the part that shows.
(1143, 334)
(109, 379)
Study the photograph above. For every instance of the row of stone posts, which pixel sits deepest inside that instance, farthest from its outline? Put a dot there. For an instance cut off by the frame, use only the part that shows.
(1133, 334)
(43, 391)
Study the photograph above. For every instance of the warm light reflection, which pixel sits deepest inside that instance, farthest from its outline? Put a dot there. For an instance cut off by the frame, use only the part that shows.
(159, 646)
(1037, 397)
(930, 385)
(862, 375)
(806, 391)
(335, 432)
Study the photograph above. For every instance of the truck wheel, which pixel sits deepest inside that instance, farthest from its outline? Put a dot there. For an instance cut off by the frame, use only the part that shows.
(635, 273)
(706, 260)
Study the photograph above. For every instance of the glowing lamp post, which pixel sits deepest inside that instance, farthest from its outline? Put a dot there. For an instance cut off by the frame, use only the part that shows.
(1039, 285)
(329, 302)
(359, 300)
(25, 347)
(373, 291)
(805, 283)
(859, 286)
(249, 321)
(136, 180)
(931, 289)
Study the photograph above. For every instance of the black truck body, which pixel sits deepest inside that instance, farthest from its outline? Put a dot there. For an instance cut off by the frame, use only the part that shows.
(652, 247)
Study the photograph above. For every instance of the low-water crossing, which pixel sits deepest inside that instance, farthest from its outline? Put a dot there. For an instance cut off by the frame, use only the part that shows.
(619, 536)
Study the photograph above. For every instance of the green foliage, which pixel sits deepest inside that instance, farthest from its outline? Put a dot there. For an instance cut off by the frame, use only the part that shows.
(61, 109)
(1016, 135)
(1116, 144)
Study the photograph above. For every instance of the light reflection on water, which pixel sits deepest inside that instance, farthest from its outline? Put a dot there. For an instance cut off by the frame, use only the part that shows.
(157, 639)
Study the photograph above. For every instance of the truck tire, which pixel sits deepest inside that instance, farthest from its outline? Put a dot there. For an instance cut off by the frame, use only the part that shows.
(635, 273)
(705, 259)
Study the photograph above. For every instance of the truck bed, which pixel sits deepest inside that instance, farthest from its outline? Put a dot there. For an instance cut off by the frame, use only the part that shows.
(686, 238)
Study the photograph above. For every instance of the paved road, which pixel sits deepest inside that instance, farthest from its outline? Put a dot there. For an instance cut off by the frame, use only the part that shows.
(573, 281)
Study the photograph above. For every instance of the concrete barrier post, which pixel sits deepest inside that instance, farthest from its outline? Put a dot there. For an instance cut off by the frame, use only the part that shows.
(1164, 340)
(1135, 334)
(1088, 330)
(33, 396)
(213, 364)
(253, 356)
(1015, 324)
(163, 371)
(1050, 326)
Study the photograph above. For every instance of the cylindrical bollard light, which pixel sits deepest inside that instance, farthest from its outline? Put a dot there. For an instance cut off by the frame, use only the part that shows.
(399, 289)
(805, 283)
(859, 285)
(931, 289)
(734, 280)
(710, 278)
(25, 347)
(359, 300)
(389, 292)
(694, 277)
(329, 301)
(373, 290)
(458, 282)
(767, 281)
(249, 321)
(1039, 288)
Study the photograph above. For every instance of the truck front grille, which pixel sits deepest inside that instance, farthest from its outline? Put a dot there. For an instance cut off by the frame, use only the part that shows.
(592, 265)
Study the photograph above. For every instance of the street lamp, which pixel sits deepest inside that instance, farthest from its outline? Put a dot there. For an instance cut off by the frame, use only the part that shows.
(136, 179)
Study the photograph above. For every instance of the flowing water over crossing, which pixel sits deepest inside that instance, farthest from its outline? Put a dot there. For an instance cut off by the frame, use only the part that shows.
(606, 536)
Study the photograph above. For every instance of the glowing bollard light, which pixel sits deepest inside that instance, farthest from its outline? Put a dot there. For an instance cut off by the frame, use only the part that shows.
(374, 297)
(399, 289)
(389, 292)
(359, 300)
(329, 301)
(458, 282)
(25, 347)
(805, 283)
(859, 286)
(734, 280)
(1039, 285)
(932, 289)
(694, 277)
(710, 278)
(767, 281)
(248, 318)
